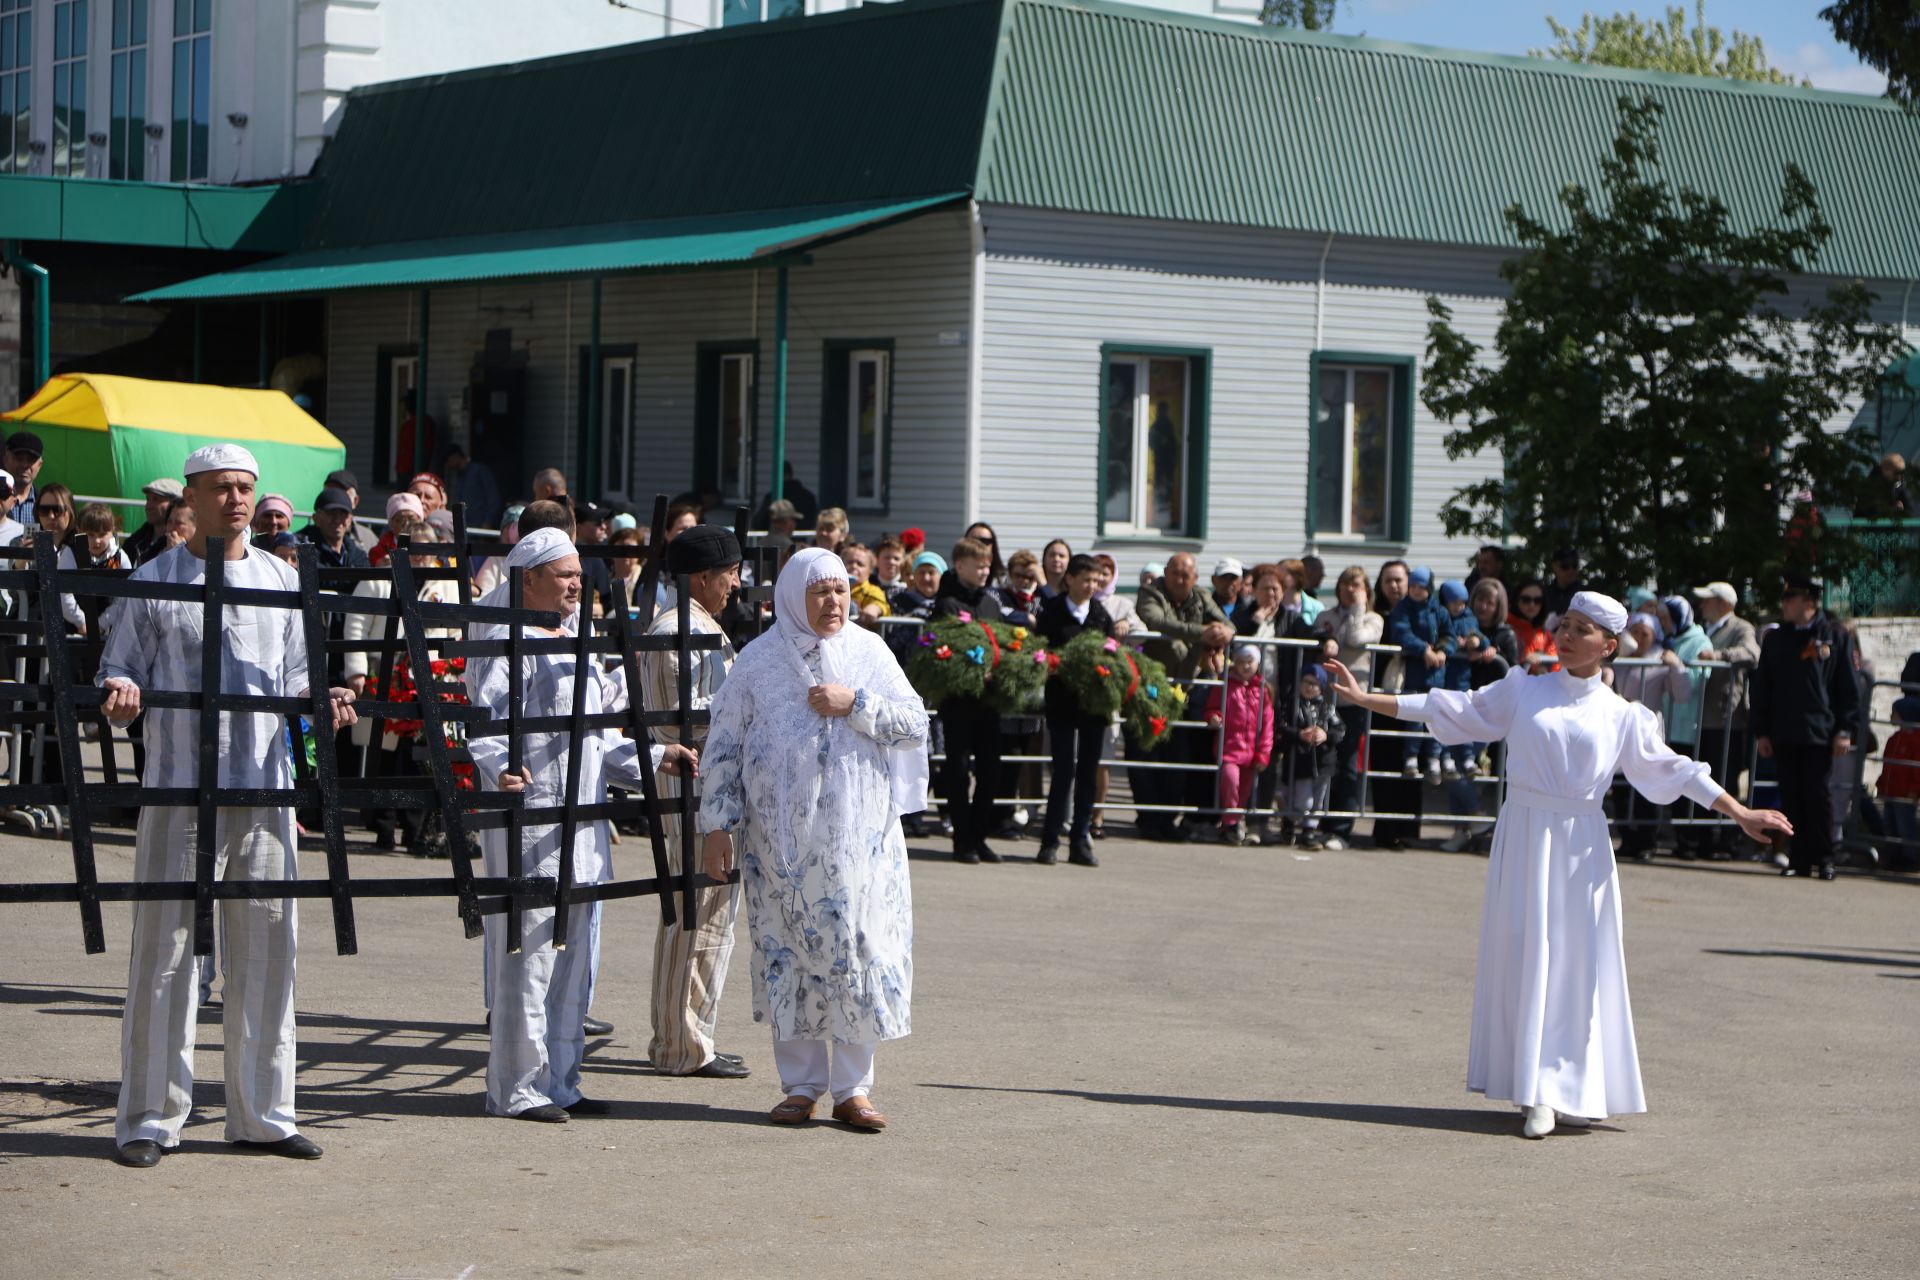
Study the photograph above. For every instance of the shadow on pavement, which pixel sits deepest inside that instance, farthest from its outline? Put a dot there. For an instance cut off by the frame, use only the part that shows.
(1830, 957)
(1449, 1119)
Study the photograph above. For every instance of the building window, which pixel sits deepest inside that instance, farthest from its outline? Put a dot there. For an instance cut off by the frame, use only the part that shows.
(723, 419)
(1153, 454)
(1360, 451)
(735, 13)
(192, 91)
(70, 89)
(616, 421)
(856, 423)
(16, 84)
(398, 374)
(127, 124)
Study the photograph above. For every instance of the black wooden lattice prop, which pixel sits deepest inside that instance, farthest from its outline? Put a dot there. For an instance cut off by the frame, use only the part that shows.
(55, 699)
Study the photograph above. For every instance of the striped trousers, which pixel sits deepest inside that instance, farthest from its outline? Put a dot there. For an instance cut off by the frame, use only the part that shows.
(158, 1027)
(689, 967)
(539, 1002)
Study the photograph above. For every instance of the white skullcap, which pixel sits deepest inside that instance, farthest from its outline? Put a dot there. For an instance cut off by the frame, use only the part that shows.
(542, 546)
(1605, 610)
(220, 457)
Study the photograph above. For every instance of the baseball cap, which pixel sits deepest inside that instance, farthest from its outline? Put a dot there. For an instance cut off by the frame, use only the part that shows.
(342, 479)
(1718, 591)
(332, 499)
(25, 442)
(164, 487)
(1228, 566)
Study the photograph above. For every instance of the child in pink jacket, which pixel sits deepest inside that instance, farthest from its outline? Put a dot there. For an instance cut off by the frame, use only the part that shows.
(1245, 706)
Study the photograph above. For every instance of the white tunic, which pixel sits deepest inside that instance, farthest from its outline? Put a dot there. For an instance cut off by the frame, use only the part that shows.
(1552, 1023)
(810, 800)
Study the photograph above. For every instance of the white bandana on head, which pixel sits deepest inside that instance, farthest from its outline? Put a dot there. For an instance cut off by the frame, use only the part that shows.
(220, 457)
(1609, 613)
(542, 546)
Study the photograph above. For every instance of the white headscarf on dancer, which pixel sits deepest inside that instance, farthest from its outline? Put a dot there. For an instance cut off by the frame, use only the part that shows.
(1606, 612)
(907, 770)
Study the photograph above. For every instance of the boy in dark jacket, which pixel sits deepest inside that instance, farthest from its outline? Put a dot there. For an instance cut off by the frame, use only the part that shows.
(971, 727)
(1418, 628)
(1308, 732)
(1463, 640)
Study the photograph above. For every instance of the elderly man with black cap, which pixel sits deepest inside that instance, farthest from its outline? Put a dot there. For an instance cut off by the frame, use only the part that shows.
(156, 644)
(24, 454)
(1806, 704)
(690, 957)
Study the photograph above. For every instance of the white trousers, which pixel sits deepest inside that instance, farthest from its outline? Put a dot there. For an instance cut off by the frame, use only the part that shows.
(806, 1071)
(539, 1001)
(157, 1030)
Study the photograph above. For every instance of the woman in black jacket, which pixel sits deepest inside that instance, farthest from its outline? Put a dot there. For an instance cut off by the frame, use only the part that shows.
(1075, 735)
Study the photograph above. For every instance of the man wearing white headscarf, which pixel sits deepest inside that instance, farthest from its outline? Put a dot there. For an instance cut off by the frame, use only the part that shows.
(156, 644)
(539, 993)
(1552, 1025)
(817, 745)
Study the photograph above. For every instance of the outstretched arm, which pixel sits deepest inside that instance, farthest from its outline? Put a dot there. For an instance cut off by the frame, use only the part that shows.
(1348, 687)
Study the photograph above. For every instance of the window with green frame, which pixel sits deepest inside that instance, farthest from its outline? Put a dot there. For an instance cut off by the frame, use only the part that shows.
(723, 418)
(1153, 441)
(856, 423)
(192, 88)
(1360, 448)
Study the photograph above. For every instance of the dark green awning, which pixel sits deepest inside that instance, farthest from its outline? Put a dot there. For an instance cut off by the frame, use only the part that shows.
(718, 240)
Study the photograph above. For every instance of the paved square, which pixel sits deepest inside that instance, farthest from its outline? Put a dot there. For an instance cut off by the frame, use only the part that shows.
(1191, 1060)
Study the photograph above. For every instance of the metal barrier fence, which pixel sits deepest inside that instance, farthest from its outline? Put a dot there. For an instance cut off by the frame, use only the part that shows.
(1867, 827)
(1712, 691)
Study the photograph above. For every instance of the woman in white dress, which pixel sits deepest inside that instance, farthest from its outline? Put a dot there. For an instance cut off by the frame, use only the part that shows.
(1552, 1025)
(817, 746)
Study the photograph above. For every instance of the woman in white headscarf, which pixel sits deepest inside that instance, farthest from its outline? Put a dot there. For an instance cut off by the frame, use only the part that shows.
(540, 994)
(817, 746)
(1552, 1025)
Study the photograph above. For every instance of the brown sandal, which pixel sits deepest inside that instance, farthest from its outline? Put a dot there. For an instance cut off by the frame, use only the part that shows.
(859, 1113)
(795, 1110)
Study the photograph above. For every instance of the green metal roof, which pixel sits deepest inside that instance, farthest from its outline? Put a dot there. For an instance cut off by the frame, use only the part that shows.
(715, 240)
(873, 104)
(1111, 108)
(159, 215)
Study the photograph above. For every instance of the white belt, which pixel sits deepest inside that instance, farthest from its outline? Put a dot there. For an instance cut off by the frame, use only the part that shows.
(1532, 799)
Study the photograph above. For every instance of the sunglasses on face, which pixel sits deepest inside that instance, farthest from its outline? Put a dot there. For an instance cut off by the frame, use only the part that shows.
(49, 511)
(1532, 599)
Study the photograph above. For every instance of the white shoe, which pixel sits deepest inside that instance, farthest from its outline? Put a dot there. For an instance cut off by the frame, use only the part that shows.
(1448, 769)
(1474, 769)
(1458, 841)
(1574, 1122)
(1334, 844)
(1021, 817)
(1539, 1121)
(1433, 772)
(1411, 768)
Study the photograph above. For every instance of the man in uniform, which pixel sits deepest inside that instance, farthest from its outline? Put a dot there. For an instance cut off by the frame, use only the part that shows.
(690, 956)
(155, 644)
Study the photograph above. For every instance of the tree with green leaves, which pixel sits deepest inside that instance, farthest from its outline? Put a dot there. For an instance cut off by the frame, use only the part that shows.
(1659, 401)
(1308, 15)
(1628, 40)
(1886, 35)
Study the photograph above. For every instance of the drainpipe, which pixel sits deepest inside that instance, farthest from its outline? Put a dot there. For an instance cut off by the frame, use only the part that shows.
(780, 385)
(42, 313)
(590, 447)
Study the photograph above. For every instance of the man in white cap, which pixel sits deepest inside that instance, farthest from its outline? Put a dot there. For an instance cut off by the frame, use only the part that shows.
(156, 644)
(540, 994)
(1723, 722)
(1227, 575)
(146, 542)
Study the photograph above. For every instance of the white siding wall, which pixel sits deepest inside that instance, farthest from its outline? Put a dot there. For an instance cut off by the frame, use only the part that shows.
(908, 283)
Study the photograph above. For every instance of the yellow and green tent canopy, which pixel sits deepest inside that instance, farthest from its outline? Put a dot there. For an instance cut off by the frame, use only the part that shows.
(107, 436)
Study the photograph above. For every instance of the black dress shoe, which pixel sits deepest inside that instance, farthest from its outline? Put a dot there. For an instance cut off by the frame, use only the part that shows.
(986, 852)
(730, 1057)
(293, 1148)
(545, 1113)
(141, 1153)
(1049, 853)
(719, 1068)
(1827, 871)
(967, 856)
(595, 1027)
(1082, 854)
(588, 1107)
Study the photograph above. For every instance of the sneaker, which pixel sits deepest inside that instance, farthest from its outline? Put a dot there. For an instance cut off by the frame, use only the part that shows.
(1234, 835)
(1433, 771)
(1249, 836)
(1334, 843)
(1411, 769)
(1458, 841)
(1449, 770)
(1474, 769)
(1021, 816)
(1312, 840)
